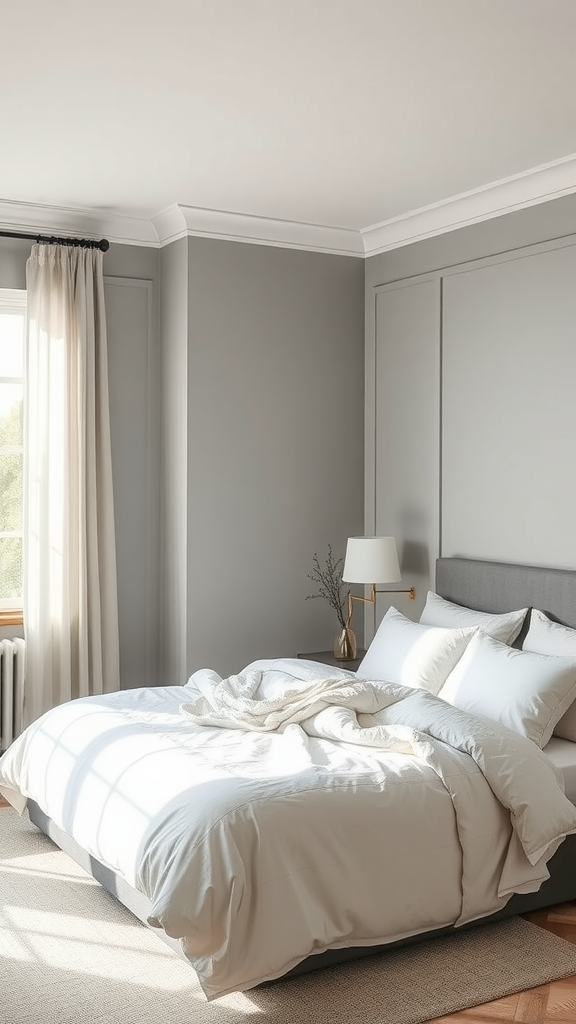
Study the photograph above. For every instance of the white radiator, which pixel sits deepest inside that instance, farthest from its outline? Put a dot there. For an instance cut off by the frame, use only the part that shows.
(12, 669)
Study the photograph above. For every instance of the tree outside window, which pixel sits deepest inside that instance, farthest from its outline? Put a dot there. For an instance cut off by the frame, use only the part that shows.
(12, 323)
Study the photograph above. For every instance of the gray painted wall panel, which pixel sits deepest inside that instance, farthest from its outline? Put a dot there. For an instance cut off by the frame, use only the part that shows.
(509, 351)
(173, 470)
(406, 473)
(132, 427)
(509, 416)
(276, 375)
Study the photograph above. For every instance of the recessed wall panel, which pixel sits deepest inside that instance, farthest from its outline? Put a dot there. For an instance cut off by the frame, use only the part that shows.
(407, 432)
(132, 427)
(509, 409)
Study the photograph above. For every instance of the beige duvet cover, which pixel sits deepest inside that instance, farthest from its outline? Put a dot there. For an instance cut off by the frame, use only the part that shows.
(380, 813)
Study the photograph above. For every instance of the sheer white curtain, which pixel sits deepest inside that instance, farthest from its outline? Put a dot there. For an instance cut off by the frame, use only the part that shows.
(70, 596)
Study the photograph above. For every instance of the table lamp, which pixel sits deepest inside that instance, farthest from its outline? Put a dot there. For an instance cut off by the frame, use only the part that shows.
(369, 559)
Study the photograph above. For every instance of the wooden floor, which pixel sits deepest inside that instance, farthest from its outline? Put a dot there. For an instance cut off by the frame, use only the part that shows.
(548, 1004)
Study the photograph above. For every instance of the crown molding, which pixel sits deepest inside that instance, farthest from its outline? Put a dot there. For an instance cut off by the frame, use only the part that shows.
(537, 185)
(178, 221)
(73, 221)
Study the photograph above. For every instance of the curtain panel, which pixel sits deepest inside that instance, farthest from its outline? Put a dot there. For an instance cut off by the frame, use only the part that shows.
(69, 589)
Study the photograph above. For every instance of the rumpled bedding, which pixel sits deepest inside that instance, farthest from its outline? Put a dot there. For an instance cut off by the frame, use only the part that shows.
(286, 811)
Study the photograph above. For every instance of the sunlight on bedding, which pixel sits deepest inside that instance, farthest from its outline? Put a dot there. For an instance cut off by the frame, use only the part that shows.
(427, 651)
(122, 775)
(223, 828)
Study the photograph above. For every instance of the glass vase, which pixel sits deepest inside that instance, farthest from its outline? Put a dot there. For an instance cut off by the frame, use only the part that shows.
(345, 645)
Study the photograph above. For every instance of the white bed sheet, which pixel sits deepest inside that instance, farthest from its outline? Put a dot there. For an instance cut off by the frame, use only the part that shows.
(562, 754)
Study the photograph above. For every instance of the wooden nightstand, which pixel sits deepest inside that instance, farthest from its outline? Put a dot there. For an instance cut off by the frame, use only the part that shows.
(327, 658)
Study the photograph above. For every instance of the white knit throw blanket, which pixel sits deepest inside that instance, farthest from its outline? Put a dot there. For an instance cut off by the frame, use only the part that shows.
(233, 703)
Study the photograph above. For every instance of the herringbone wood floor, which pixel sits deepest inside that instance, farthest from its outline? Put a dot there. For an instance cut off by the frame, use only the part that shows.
(548, 1004)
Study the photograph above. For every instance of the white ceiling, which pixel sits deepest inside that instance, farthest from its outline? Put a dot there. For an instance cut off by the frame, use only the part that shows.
(377, 120)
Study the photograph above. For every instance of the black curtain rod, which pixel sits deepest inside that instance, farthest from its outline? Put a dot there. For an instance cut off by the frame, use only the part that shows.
(85, 243)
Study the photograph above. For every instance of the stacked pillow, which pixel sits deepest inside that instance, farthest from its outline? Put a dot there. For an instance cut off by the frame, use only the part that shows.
(505, 627)
(523, 690)
(550, 638)
(531, 691)
(422, 654)
(412, 653)
(463, 656)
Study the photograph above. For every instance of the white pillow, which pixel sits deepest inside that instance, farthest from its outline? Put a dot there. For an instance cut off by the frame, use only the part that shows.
(413, 654)
(547, 637)
(439, 612)
(527, 692)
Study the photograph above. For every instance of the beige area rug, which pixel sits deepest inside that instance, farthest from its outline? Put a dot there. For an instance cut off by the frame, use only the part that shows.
(70, 954)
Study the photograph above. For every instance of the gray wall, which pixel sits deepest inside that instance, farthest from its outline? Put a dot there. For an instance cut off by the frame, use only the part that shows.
(132, 307)
(173, 384)
(509, 416)
(236, 404)
(274, 380)
(403, 399)
(470, 418)
(237, 401)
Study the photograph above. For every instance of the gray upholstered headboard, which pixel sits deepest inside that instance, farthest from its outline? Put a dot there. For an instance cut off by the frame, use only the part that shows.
(501, 587)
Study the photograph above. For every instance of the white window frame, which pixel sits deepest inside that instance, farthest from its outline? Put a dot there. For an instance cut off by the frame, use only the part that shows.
(12, 300)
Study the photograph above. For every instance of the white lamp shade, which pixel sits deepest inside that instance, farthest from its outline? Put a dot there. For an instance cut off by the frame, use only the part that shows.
(371, 560)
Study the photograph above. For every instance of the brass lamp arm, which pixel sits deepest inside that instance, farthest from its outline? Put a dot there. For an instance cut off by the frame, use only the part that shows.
(372, 599)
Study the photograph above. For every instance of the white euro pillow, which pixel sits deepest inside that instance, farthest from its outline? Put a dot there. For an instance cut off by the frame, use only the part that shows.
(413, 654)
(547, 637)
(440, 612)
(526, 692)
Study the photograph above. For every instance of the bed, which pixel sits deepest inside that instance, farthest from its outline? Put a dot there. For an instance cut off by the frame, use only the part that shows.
(331, 819)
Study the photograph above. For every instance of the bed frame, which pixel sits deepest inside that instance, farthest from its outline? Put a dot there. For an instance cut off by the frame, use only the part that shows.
(486, 586)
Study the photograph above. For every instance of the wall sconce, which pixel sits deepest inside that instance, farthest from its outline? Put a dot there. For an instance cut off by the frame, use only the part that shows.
(368, 559)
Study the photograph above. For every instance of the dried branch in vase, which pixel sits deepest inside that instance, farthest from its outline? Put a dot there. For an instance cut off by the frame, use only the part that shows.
(328, 577)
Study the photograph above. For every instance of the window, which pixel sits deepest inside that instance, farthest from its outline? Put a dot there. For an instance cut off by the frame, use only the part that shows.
(12, 323)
